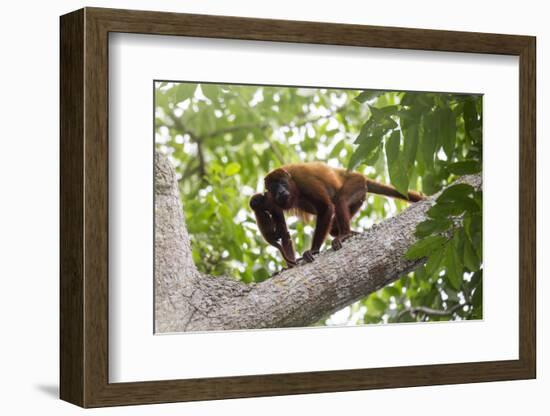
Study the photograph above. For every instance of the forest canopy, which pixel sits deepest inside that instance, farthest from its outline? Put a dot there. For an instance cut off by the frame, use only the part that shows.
(223, 139)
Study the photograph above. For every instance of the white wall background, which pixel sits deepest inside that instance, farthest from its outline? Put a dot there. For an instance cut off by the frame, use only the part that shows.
(29, 209)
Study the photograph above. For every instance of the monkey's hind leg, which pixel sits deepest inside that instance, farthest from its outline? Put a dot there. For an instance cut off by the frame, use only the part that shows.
(353, 209)
(349, 201)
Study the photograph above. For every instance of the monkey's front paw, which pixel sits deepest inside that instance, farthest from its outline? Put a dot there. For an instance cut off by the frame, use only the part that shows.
(290, 264)
(308, 255)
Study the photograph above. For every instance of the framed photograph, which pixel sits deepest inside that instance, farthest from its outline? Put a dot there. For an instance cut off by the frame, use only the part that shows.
(255, 207)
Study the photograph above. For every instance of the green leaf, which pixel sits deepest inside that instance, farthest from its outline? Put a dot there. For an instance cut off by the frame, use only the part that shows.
(389, 110)
(410, 146)
(380, 117)
(452, 294)
(260, 275)
(183, 91)
(238, 252)
(430, 184)
(392, 147)
(375, 304)
(375, 129)
(367, 144)
(464, 168)
(477, 299)
(453, 263)
(232, 169)
(460, 196)
(359, 154)
(396, 167)
(474, 230)
(387, 124)
(368, 95)
(367, 130)
(471, 121)
(224, 211)
(471, 261)
(469, 204)
(409, 117)
(443, 210)
(475, 134)
(448, 131)
(210, 91)
(434, 261)
(476, 279)
(234, 250)
(392, 291)
(409, 99)
(425, 228)
(373, 158)
(161, 100)
(335, 152)
(425, 247)
(376, 113)
(237, 137)
(456, 192)
(428, 143)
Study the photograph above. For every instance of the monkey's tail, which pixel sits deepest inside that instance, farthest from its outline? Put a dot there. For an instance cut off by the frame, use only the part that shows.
(378, 188)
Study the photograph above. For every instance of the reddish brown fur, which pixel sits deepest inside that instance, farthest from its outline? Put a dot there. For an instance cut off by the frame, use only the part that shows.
(334, 195)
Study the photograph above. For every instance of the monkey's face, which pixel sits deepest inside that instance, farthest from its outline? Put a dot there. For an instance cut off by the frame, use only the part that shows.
(279, 185)
(258, 202)
(280, 190)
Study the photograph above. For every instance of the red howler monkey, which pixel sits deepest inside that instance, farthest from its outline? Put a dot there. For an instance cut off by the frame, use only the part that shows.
(272, 225)
(334, 195)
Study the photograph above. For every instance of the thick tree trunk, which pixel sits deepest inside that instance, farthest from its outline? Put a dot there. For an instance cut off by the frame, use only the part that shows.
(186, 300)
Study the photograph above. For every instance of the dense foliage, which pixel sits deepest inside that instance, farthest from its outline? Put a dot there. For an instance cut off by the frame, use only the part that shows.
(223, 139)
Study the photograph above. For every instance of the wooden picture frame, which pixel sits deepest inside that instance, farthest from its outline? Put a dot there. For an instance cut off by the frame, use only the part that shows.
(84, 207)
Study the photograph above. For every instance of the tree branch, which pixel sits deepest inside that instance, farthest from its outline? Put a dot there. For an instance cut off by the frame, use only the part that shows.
(262, 125)
(187, 300)
(414, 310)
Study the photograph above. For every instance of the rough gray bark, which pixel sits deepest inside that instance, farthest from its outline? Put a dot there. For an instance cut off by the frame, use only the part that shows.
(187, 300)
